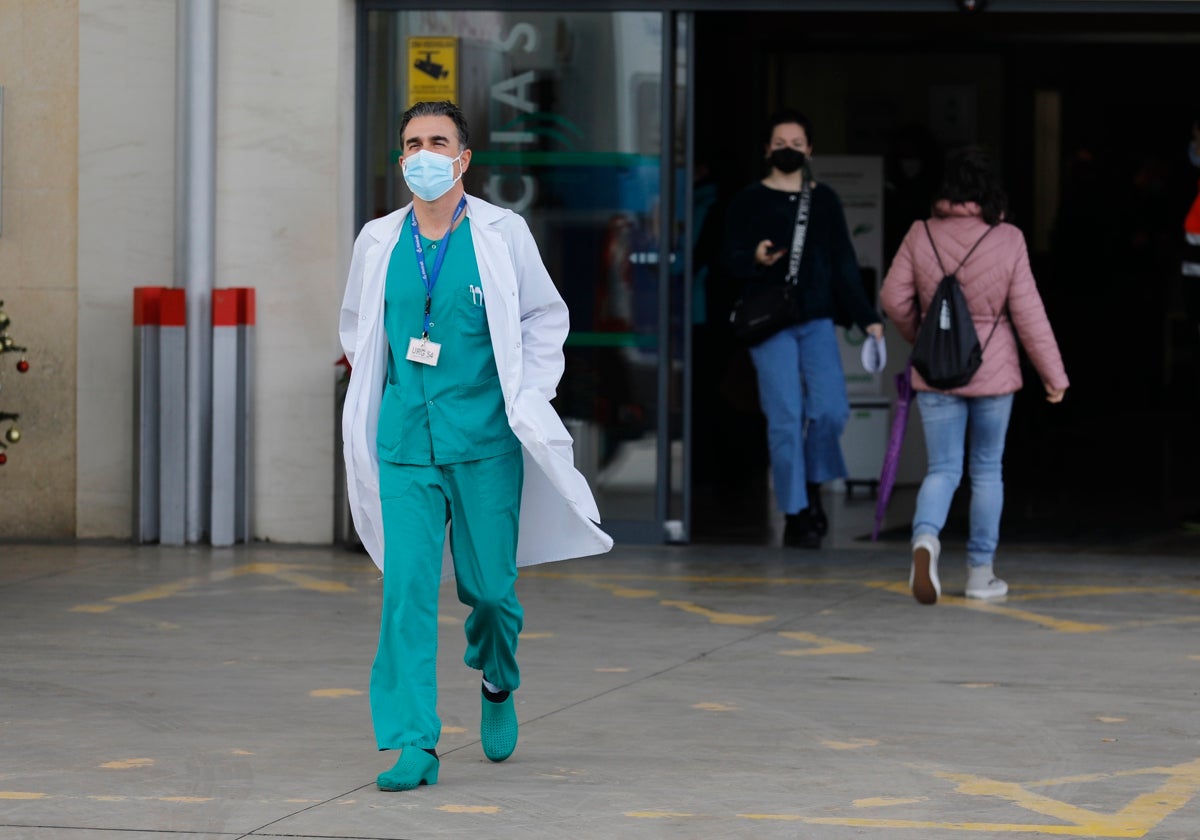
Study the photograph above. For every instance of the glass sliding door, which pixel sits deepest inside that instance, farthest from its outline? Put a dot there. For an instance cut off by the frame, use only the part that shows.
(570, 124)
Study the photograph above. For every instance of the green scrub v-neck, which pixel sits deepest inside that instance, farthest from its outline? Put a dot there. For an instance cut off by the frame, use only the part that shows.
(452, 412)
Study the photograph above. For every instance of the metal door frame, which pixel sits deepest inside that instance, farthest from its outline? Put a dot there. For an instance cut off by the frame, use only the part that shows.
(666, 524)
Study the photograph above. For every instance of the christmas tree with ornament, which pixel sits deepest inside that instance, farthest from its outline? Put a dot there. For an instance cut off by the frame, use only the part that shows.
(8, 419)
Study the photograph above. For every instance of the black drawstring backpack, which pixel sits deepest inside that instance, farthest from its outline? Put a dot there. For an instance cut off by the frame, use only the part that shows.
(947, 352)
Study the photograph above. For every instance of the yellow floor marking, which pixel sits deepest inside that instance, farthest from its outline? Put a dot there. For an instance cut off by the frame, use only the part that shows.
(996, 828)
(313, 584)
(527, 636)
(715, 707)
(1103, 719)
(1143, 813)
(1062, 625)
(893, 586)
(687, 606)
(611, 670)
(290, 574)
(977, 685)
(186, 799)
(470, 809)
(20, 794)
(156, 593)
(1115, 774)
(449, 619)
(657, 815)
(1027, 592)
(822, 645)
(1042, 592)
(739, 579)
(282, 571)
(1194, 656)
(717, 617)
(108, 798)
(886, 801)
(241, 752)
(334, 692)
(128, 764)
(453, 730)
(626, 592)
(1162, 622)
(852, 744)
(621, 591)
(605, 581)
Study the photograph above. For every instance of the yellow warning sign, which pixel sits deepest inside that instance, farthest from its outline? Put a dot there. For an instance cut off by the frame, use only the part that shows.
(432, 69)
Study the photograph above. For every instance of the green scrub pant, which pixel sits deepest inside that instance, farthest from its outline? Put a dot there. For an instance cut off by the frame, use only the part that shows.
(481, 500)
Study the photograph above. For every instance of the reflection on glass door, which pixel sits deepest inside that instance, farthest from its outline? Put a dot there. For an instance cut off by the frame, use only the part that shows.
(566, 129)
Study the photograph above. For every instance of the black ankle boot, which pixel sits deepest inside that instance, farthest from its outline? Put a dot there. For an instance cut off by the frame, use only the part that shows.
(816, 510)
(799, 530)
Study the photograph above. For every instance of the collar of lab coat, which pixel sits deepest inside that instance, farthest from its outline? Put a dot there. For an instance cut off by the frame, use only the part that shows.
(386, 228)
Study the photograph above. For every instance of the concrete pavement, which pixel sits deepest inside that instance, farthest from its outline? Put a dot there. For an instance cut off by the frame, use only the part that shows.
(669, 692)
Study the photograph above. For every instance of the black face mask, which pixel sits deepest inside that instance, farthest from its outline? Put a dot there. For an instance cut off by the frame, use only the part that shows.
(787, 160)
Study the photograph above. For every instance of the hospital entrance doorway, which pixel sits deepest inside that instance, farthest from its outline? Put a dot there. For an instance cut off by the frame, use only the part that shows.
(1086, 117)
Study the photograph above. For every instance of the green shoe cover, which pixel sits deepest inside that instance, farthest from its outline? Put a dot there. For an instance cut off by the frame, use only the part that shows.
(498, 728)
(415, 767)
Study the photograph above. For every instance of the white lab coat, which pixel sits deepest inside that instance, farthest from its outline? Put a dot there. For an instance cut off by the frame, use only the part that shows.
(528, 323)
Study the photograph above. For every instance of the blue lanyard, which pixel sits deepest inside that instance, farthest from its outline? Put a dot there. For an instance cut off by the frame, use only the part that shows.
(430, 278)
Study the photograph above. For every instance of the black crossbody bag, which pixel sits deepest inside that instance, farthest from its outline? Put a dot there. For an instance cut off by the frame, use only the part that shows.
(758, 316)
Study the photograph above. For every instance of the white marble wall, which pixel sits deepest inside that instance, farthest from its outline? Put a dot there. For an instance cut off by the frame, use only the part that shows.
(126, 233)
(283, 224)
(285, 92)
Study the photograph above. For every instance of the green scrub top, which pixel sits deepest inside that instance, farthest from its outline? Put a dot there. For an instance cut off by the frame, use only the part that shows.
(454, 411)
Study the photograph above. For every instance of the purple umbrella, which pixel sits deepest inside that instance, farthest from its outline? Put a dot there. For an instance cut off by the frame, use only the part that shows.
(891, 458)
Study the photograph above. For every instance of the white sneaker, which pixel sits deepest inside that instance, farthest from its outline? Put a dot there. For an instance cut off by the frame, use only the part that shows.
(923, 574)
(982, 583)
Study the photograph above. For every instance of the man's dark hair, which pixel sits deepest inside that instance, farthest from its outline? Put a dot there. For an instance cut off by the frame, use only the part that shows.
(788, 115)
(970, 176)
(443, 108)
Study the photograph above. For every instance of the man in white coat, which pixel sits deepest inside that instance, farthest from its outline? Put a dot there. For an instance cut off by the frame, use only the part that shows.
(454, 331)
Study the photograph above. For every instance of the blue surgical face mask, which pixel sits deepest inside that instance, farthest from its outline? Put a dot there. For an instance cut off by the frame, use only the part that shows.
(430, 175)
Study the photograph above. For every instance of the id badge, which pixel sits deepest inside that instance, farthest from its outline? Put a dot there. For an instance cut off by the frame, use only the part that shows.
(423, 351)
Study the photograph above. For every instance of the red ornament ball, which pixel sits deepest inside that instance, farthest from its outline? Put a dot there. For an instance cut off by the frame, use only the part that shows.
(3, 459)
(22, 366)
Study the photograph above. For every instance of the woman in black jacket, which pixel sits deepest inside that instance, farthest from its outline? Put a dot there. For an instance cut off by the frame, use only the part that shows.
(801, 385)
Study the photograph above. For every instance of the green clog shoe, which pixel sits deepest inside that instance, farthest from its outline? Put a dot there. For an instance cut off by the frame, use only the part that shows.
(498, 728)
(414, 768)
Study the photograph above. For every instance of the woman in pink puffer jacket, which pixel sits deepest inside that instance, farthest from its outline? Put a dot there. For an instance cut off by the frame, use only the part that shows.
(996, 280)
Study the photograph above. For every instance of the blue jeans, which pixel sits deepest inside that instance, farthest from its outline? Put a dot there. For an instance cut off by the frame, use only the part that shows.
(802, 390)
(946, 420)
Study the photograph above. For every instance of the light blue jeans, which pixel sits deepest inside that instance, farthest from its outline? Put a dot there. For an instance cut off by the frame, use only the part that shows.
(947, 420)
(802, 390)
